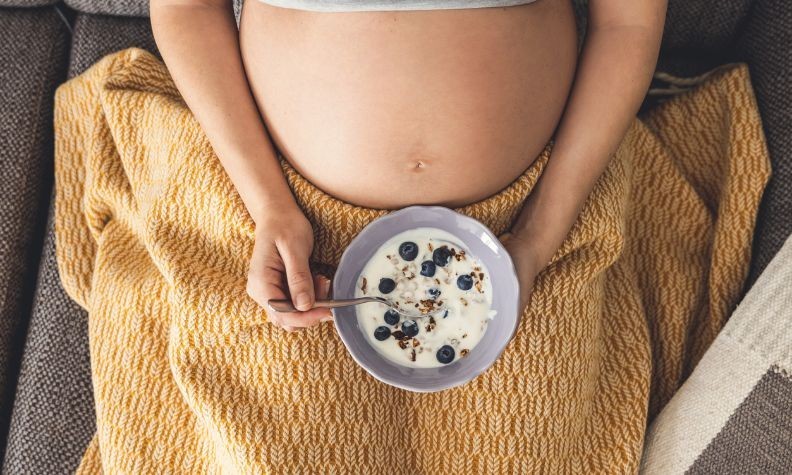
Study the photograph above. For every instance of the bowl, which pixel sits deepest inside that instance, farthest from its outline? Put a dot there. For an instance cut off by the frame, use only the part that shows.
(483, 244)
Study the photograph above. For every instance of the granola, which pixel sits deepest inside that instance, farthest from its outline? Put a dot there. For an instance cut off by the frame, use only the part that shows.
(426, 269)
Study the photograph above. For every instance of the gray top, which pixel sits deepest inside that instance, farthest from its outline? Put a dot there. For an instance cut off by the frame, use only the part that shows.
(379, 5)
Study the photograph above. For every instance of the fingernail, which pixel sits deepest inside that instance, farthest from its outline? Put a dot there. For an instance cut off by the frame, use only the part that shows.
(326, 285)
(303, 301)
(326, 319)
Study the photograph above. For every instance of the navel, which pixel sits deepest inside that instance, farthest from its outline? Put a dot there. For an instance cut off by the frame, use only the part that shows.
(417, 158)
(417, 165)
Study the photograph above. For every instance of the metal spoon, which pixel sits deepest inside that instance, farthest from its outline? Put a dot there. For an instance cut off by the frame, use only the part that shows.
(285, 305)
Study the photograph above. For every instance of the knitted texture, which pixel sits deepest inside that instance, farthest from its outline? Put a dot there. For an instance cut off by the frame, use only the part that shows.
(153, 240)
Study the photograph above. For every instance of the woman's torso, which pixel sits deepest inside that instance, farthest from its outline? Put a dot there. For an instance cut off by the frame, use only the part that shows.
(390, 108)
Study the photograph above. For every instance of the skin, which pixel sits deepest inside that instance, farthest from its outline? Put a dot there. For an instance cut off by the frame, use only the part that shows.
(234, 96)
(418, 102)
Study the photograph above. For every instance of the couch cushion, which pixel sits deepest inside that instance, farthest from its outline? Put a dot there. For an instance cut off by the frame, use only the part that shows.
(27, 3)
(765, 45)
(121, 7)
(111, 7)
(31, 70)
(96, 36)
(703, 26)
(53, 418)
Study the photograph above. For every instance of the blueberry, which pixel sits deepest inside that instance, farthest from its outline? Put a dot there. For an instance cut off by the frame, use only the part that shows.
(382, 333)
(441, 256)
(465, 282)
(433, 292)
(428, 268)
(391, 317)
(386, 285)
(410, 328)
(445, 354)
(408, 250)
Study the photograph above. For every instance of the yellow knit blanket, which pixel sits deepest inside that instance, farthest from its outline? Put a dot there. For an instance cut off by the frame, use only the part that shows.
(153, 240)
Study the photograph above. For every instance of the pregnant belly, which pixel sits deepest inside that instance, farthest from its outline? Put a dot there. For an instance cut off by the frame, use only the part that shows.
(388, 109)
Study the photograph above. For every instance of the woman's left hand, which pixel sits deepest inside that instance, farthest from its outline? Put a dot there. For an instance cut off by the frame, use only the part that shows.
(527, 263)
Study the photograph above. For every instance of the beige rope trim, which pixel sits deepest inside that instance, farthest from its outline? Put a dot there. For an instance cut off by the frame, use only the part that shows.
(669, 91)
(681, 84)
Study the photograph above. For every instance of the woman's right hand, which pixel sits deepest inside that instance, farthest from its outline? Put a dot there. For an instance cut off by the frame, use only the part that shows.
(279, 268)
(199, 41)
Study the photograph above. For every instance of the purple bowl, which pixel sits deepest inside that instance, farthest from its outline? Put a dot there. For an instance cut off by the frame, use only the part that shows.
(505, 300)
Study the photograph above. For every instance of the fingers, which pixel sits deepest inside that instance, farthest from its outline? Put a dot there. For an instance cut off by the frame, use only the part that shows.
(322, 286)
(298, 276)
(525, 264)
(296, 320)
(266, 282)
(287, 320)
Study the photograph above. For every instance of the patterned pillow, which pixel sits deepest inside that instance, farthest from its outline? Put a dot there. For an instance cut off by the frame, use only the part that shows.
(733, 414)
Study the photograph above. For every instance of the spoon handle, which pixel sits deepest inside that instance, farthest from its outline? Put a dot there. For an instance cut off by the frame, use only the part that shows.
(285, 305)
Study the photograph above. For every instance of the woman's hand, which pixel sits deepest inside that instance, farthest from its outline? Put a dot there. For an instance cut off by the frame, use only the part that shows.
(279, 269)
(199, 41)
(527, 263)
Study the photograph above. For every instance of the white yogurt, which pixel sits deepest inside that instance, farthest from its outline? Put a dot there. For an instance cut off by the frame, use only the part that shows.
(465, 312)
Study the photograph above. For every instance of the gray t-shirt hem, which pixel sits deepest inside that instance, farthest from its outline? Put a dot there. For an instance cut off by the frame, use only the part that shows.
(385, 5)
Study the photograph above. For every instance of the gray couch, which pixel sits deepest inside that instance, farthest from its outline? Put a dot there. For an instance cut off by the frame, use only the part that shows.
(46, 414)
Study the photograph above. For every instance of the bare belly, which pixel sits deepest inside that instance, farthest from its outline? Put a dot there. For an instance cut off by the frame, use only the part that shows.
(388, 109)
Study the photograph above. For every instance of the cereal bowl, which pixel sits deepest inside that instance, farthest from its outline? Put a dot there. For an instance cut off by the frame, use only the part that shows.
(480, 242)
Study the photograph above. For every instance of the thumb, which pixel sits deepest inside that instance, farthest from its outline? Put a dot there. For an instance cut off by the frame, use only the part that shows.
(298, 276)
